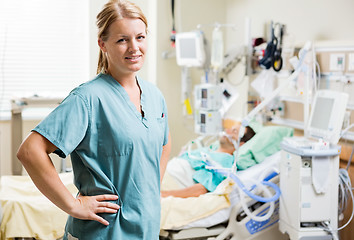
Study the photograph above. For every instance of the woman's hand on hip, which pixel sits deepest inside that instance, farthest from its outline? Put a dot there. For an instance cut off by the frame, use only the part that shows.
(87, 207)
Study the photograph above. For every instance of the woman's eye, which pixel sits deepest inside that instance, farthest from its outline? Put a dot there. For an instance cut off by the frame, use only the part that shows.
(121, 40)
(141, 37)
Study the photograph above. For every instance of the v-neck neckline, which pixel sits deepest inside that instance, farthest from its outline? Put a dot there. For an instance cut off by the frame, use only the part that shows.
(140, 115)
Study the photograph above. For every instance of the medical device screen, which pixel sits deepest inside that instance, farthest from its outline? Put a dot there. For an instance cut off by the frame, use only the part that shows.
(204, 93)
(188, 48)
(204, 102)
(202, 118)
(322, 113)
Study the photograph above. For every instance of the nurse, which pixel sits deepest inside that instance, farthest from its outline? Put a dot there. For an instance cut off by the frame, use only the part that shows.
(115, 129)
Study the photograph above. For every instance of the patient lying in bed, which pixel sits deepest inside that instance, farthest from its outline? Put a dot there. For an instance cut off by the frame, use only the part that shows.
(207, 180)
(254, 148)
(186, 212)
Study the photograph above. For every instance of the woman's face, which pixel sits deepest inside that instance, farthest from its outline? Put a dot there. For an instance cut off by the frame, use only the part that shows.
(125, 47)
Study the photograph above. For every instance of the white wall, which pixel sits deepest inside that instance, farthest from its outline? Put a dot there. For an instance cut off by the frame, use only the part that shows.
(95, 8)
(305, 19)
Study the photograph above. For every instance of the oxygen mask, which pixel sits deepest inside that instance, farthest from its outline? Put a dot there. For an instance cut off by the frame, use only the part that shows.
(229, 137)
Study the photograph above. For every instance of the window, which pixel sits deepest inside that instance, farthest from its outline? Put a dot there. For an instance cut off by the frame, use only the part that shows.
(44, 48)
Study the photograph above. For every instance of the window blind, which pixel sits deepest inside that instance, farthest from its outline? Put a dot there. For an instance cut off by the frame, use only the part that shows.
(44, 48)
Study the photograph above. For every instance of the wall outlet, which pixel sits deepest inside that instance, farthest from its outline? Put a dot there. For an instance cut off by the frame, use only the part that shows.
(337, 62)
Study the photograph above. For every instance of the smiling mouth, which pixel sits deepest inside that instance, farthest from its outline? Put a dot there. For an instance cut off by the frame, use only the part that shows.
(133, 57)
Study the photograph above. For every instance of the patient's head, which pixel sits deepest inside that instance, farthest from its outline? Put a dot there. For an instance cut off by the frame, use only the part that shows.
(227, 141)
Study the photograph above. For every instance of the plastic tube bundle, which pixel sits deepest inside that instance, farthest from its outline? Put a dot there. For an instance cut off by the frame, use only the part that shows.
(345, 190)
(243, 190)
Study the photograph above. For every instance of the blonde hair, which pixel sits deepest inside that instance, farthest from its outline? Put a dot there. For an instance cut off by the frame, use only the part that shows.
(112, 11)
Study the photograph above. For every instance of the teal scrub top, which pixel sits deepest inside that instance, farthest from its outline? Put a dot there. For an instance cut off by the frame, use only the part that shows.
(114, 150)
(210, 179)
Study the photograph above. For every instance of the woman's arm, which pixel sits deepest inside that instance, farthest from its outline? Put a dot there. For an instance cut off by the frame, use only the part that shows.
(164, 157)
(34, 155)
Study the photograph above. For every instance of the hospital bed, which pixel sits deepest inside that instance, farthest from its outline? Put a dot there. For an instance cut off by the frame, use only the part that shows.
(26, 213)
(219, 215)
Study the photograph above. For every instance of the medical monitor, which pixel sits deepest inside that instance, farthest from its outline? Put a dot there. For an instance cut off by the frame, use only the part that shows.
(327, 114)
(190, 49)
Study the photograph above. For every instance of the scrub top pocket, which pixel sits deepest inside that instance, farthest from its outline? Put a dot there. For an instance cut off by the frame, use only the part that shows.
(161, 124)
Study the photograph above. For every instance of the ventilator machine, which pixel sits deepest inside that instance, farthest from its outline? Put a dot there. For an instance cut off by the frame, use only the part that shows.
(310, 172)
(309, 168)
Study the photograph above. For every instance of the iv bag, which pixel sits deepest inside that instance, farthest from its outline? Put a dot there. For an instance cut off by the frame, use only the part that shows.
(217, 49)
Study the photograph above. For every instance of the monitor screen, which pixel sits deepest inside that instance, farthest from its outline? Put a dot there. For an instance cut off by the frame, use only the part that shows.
(188, 48)
(202, 118)
(204, 93)
(322, 112)
(327, 114)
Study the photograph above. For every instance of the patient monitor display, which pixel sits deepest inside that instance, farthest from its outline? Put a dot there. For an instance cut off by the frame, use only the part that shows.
(190, 49)
(327, 114)
(322, 113)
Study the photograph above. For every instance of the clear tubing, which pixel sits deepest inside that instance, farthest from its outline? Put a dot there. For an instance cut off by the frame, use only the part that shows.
(248, 192)
(256, 197)
(249, 213)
